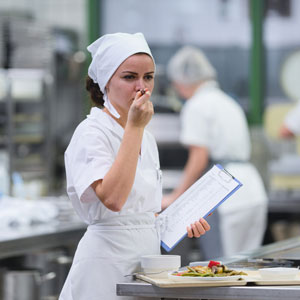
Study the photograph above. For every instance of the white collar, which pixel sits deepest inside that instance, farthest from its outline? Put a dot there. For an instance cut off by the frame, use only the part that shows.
(104, 119)
(207, 85)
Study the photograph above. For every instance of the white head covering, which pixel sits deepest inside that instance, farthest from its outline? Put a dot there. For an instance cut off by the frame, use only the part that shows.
(108, 53)
(189, 65)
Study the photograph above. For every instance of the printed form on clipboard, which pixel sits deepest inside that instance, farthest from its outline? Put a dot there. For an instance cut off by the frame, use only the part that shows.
(202, 198)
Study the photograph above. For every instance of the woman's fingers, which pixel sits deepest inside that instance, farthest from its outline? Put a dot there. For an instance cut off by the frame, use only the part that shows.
(142, 96)
(189, 232)
(198, 228)
(205, 225)
(142, 101)
(141, 110)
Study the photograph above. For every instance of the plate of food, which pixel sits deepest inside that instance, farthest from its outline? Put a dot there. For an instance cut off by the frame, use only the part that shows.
(213, 271)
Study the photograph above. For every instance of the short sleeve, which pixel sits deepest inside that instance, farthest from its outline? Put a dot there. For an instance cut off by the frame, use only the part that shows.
(194, 126)
(87, 159)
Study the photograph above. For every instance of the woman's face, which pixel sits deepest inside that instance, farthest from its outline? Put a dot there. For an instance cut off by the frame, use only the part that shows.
(135, 73)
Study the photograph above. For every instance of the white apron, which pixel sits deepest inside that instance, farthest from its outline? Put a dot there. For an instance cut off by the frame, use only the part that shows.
(214, 120)
(108, 251)
(239, 224)
(243, 216)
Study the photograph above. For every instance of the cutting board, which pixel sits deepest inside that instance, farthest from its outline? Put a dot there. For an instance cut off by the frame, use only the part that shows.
(167, 283)
(253, 277)
(256, 279)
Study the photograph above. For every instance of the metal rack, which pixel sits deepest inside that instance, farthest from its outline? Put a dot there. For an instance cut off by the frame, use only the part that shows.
(26, 130)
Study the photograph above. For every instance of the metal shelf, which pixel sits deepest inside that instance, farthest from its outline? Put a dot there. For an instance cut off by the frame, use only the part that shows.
(26, 130)
(22, 241)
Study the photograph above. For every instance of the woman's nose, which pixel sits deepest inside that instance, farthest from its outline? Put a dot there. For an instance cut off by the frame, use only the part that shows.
(140, 85)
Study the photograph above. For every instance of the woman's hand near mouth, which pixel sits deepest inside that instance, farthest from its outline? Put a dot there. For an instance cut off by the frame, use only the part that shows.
(141, 109)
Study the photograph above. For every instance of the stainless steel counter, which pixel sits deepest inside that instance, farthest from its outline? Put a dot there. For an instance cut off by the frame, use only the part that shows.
(142, 289)
(25, 240)
(280, 251)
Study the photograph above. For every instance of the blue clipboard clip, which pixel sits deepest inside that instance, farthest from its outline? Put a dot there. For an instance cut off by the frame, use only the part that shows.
(225, 171)
(229, 174)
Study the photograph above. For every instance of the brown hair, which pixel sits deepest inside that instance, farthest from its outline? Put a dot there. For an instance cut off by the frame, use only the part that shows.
(95, 94)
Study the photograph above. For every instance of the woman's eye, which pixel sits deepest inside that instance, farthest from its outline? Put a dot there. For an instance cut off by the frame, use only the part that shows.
(129, 77)
(149, 77)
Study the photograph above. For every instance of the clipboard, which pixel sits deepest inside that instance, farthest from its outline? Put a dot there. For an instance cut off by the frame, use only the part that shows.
(198, 201)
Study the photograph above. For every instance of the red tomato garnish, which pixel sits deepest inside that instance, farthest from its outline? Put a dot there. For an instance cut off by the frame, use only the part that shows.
(213, 263)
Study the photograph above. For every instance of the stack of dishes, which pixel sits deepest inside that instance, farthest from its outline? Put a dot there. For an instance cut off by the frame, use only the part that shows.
(160, 265)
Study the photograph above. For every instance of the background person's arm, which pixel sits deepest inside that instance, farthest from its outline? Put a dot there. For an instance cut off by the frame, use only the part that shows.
(285, 132)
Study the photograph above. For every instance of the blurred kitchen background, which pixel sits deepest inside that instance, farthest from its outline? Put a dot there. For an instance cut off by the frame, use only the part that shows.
(254, 46)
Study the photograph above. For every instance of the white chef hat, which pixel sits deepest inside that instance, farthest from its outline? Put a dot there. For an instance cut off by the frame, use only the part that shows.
(108, 52)
(189, 65)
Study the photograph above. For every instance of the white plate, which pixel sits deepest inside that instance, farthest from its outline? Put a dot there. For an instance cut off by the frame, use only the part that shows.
(192, 278)
(199, 263)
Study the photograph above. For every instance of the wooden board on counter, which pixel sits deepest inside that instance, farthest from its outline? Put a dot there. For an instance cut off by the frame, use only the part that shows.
(253, 277)
(167, 283)
(256, 279)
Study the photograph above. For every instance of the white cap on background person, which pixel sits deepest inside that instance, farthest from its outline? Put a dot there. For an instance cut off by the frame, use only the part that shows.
(189, 65)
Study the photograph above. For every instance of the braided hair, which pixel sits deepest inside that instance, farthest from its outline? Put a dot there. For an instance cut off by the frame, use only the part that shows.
(95, 94)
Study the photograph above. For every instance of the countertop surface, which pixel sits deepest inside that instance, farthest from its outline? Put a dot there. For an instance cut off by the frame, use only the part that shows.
(143, 289)
(265, 254)
(24, 239)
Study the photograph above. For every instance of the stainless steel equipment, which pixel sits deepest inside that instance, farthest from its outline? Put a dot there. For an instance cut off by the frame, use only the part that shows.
(24, 284)
(42, 248)
(50, 261)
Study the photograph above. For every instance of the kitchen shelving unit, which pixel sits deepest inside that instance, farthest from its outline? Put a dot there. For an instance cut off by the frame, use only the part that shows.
(25, 128)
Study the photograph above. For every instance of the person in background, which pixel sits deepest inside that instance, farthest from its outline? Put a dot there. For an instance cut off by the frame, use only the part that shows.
(214, 129)
(291, 125)
(113, 171)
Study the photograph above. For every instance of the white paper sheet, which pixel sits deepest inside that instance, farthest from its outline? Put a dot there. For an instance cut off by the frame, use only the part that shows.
(205, 195)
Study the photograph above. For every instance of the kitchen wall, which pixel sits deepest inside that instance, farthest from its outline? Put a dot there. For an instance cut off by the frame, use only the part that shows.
(221, 28)
(68, 14)
(167, 22)
(214, 25)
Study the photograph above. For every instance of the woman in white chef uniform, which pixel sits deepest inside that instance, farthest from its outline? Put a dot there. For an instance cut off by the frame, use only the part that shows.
(214, 128)
(113, 172)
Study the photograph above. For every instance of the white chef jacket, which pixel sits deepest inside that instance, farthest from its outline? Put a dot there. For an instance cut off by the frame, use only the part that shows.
(114, 241)
(88, 158)
(212, 119)
(292, 119)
